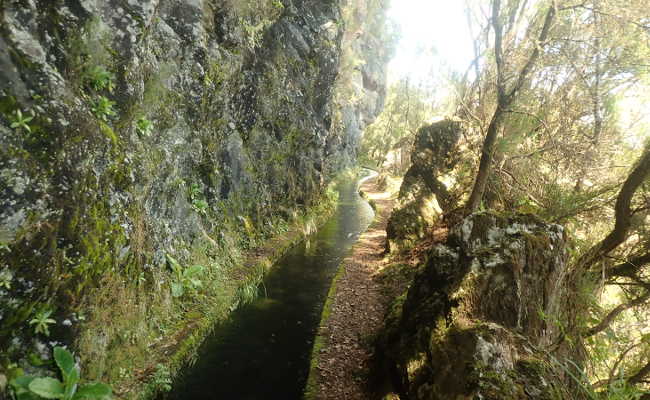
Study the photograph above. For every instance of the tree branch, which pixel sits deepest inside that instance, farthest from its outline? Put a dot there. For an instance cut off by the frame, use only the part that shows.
(523, 74)
(615, 313)
(498, 51)
(622, 211)
(613, 370)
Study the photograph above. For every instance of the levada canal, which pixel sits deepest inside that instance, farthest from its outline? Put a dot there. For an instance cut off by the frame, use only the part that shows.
(263, 351)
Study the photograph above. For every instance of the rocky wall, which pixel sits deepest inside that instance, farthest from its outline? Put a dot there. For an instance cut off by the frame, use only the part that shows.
(138, 132)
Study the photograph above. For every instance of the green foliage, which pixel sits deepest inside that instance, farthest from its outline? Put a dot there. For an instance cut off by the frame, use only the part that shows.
(161, 380)
(200, 206)
(247, 292)
(21, 122)
(617, 389)
(6, 277)
(99, 78)
(621, 348)
(103, 108)
(41, 322)
(32, 387)
(108, 132)
(143, 126)
(196, 199)
(186, 279)
(254, 32)
(388, 140)
(255, 17)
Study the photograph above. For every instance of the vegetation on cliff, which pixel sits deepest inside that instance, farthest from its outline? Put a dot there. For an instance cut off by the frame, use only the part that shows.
(148, 147)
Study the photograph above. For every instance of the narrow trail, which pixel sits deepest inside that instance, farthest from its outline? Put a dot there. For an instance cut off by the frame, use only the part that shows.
(357, 310)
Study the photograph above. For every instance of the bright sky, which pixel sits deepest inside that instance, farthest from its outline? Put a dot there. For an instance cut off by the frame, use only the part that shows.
(432, 32)
(435, 38)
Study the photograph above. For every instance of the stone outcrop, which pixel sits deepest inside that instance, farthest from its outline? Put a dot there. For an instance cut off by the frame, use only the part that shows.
(483, 317)
(423, 197)
(136, 130)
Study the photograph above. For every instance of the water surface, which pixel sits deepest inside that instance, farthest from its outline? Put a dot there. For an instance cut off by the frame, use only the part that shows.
(263, 351)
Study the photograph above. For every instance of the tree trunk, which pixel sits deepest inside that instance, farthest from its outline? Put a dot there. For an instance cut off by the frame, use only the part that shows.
(487, 154)
(505, 98)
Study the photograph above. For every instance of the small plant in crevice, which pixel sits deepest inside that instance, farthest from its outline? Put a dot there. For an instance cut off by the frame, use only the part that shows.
(142, 279)
(42, 321)
(103, 108)
(123, 373)
(6, 277)
(32, 387)
(161, 379)
(99, 78)
(196, 199)
(254, 32)
(21, 122)
(186, 279)
(143, 126)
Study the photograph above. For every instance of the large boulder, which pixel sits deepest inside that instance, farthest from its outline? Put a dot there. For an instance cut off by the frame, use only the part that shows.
(483, 318)
(423, 196)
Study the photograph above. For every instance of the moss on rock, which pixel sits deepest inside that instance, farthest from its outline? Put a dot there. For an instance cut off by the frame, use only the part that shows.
(423, 197)
(481, 318)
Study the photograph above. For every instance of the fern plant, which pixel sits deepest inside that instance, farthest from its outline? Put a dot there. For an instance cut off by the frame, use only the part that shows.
(32, 388)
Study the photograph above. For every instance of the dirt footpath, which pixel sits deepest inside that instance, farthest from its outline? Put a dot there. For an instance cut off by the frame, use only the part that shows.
(356, 313)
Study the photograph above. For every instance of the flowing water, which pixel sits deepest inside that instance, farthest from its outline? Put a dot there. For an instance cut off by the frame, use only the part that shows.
(263, 351)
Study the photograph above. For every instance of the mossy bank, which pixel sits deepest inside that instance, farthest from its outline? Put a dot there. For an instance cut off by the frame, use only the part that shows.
(148, 147)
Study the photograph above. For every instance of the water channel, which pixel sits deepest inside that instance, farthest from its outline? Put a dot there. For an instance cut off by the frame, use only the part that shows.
(263, 351)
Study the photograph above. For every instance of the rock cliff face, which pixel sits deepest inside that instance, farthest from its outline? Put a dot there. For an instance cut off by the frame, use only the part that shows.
(135, 132)
(482, 318)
